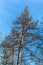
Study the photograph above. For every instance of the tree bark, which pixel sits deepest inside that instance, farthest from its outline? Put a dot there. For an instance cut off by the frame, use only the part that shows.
(13, 56)
(20, 50)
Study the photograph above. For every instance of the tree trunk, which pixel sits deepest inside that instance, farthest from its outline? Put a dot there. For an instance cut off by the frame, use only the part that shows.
(13, 56)
(19, 55)
(20, 51)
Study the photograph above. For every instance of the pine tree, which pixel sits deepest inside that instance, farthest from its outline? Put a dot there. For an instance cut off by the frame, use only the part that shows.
(7, 52)
(25, 36)
(24, 41)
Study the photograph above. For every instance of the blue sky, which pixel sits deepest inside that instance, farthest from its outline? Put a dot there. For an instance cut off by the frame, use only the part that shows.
(10, 9)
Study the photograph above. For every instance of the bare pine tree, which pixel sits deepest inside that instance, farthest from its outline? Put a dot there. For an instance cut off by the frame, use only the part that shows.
(24, 41)
(26, 36)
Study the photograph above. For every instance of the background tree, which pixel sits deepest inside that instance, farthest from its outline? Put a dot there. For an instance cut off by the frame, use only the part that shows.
(8, 52)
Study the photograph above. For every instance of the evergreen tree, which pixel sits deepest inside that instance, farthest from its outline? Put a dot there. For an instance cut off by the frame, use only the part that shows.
(25, 37)
(24, 41)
